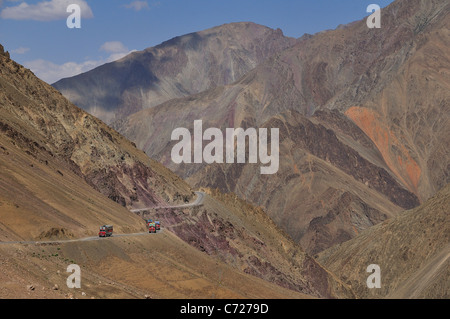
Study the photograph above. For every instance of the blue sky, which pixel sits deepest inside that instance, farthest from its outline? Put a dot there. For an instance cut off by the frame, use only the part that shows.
(36, 34)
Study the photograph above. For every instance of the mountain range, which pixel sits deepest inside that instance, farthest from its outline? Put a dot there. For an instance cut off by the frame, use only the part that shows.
(363, 119)
(364, 125)
(176, 68)
(64, 173)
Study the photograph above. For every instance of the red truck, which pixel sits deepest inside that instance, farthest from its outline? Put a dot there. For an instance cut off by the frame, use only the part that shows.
(157, 225)
(151, 228)
(105, 231)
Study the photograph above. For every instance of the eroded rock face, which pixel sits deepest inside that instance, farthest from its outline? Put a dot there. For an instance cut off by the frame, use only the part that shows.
(321, 195)
(324, 144)
(348, 216)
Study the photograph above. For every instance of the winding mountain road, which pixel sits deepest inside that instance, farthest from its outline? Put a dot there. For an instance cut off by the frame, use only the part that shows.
(197, 202)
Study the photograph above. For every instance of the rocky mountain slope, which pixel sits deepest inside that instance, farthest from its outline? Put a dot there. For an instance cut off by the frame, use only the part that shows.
(42, 123)
(243, 236)
(176, 68)
(158, 266)
(363, 116)
(64, 173)
(412, 250)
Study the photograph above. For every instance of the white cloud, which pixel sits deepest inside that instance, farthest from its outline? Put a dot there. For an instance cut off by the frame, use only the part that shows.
(113, 47)
(137, 5)
(118, 56)
(116, 49)
(45, 10)
(51, 72)
(20, 50)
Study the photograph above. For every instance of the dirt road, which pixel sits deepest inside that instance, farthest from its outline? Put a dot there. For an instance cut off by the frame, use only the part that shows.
(197, 202)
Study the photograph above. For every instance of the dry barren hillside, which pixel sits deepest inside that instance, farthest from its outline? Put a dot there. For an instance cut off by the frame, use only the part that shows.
(412, 250)
(243, 236)
(42, 123)
(158, 266)
(64, 173)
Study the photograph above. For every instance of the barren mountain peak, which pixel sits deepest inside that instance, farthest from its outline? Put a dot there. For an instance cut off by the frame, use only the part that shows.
(181, 66)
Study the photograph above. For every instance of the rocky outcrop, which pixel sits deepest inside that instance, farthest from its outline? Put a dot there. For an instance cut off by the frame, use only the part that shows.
(2, 52)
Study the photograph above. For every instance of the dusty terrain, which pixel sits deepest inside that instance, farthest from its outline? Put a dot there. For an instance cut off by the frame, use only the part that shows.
(148, 266)
(411, 249)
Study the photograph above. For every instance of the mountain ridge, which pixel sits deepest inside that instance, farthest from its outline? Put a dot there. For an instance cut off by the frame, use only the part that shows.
(178, 67)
